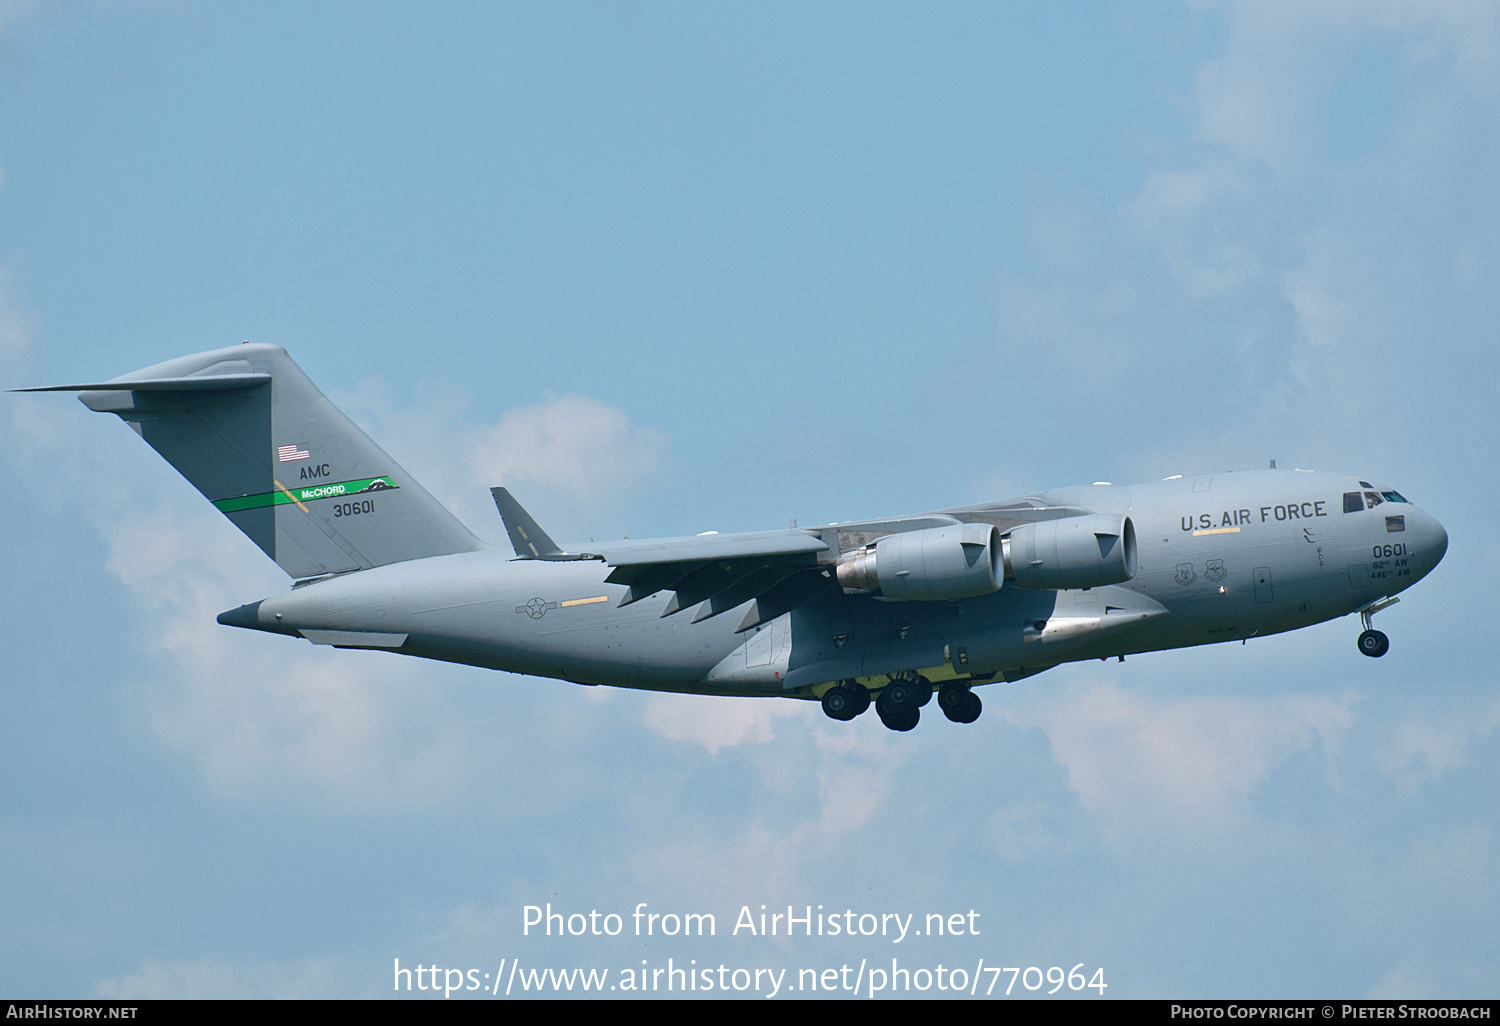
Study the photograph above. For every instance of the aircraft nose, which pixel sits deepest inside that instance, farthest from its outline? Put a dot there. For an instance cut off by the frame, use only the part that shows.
(1431, 540)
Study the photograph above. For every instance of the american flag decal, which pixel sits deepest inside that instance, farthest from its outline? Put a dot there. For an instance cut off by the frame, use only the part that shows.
(286, 453)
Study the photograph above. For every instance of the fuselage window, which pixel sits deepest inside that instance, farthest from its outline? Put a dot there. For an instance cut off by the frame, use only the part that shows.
(1353, 503)
(1373, 498)
(1393, 497)
(1393, 524)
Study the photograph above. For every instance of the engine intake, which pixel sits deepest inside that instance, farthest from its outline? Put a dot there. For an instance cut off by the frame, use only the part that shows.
(924, 566)
(1076, 552)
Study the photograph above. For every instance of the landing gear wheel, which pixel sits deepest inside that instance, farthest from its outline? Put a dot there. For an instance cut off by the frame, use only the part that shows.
(1374, 644)
(839, 703)
(951, 697)
(900, 696)
(959, 704)
(899, 720)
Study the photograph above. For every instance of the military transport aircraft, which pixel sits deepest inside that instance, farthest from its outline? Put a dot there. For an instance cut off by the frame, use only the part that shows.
(892, 610)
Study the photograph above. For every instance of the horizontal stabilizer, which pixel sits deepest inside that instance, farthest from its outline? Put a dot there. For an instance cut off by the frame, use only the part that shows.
(202, 383)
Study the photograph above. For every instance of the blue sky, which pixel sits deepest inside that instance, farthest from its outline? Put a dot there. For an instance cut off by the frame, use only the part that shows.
(671, 268)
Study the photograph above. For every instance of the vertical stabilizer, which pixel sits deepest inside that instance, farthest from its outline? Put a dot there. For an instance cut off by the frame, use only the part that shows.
(248, 428)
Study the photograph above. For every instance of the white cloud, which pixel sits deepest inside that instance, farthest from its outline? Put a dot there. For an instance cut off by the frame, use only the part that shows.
(574, 444)
(264, 718)
(573, 456)
(855, 767)
(1023, 831)
(717, 723)
(1423, 747)
(1192, 761)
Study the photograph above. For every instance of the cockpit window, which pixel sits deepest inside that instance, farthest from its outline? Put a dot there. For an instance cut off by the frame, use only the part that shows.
(1393, 497)
(1373, 498)
(1353, 503)
(1366, 484)
(1397, 523)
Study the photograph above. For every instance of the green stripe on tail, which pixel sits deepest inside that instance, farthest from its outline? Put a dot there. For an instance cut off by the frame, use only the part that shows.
(282, 497)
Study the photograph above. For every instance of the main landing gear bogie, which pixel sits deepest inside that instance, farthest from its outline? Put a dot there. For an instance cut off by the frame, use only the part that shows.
(900, 702)
(959, 703)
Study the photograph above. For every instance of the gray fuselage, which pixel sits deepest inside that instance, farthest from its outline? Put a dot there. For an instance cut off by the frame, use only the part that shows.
(1220, 557)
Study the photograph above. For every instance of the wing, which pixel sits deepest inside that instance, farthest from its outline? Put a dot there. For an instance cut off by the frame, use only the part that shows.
(1013, 513)
(774, 571)
(768, 572)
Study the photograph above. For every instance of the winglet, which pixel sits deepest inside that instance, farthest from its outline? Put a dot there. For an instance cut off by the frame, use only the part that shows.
(526, 535)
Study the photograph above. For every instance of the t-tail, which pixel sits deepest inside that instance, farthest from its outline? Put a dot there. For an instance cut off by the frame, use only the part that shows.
(252, 432)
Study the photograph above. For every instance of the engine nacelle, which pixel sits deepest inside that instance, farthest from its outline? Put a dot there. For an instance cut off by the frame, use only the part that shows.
(925, 566)
(1076, 552)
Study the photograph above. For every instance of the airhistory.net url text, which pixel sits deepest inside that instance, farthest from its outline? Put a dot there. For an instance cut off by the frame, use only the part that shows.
(511, 978)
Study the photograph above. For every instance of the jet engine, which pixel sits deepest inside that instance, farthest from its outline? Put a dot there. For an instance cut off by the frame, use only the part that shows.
(1075, 552)
(924, 566)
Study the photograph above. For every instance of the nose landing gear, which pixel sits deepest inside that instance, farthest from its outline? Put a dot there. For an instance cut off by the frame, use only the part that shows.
(1373, 643)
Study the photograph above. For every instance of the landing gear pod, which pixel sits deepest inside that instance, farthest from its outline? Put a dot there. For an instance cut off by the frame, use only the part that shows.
(1076, 552)
(928, 566)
